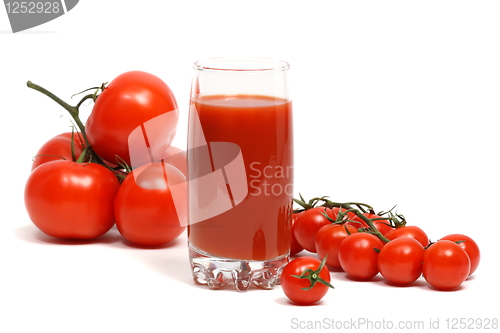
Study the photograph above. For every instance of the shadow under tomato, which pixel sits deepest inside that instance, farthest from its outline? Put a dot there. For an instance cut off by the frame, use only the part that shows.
(470, 277)
(415, 284)
(341, 275)
(30, 233)
(460, 287)
(285, 301)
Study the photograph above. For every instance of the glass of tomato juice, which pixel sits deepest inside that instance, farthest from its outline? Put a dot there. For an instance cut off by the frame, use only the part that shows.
(240, 171)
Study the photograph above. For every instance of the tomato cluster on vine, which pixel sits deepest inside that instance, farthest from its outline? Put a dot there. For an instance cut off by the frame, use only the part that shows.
(118, 168)
(352, 238)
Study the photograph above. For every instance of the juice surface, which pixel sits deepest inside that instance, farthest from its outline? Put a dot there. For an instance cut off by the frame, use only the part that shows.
(258, 228)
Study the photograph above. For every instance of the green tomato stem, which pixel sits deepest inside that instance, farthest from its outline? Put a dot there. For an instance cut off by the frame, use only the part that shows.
(360, 210)
(74, 112)
(372, 226)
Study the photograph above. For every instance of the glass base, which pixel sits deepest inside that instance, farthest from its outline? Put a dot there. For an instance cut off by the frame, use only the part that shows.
(217, 272)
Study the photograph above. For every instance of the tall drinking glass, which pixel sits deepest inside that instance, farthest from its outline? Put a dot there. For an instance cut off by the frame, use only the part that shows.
(240, 169)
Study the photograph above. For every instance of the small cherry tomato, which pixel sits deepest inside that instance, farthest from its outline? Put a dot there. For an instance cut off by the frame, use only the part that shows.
(307, 225)
(446, 265)
(400, 260)
(305, 280)
(411, 231)
(470, 247)
(328, 241)
(358, 255)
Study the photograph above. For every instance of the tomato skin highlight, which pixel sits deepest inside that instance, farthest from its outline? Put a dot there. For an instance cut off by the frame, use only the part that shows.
(58, 148)
(400, 260)
(328, 240)
(128, 102)
(470, 247)
(144, 208)
(358, 257)
(293, 286)
(411, 231)
(71, 200)
(446, 265)
(307, 225)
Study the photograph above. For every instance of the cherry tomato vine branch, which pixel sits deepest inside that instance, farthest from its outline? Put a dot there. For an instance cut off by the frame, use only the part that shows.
(357, 208)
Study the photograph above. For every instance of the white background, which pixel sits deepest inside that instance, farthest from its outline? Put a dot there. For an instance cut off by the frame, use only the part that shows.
(395, 102)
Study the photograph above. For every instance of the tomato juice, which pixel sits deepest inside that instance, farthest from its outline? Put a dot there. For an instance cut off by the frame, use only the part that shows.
(259, 227)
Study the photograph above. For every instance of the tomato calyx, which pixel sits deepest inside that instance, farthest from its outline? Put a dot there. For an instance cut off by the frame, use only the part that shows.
(313, 276)
(397, 220)
(88, 155)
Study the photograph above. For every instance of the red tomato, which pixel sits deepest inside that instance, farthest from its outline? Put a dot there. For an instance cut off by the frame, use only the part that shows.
(470, 247)
(411, 231)
(65, 199)
(58, 148)
(294, 245)
(328, 241)
(400, 260)
(358, 257)
(445, 265)
(145, 210)
(308, 224)
(133, 102)
(305, 280)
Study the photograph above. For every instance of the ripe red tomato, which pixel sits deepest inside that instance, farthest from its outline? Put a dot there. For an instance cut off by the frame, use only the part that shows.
(400, 260)
(446, 265)
(146, 211)
(470, 247)
(308, 224)
(58, 148)
(136, 102)
(411, 231)
(65, 199)
(358, 257)
(305, 280)
(328, 241)
(294, 245)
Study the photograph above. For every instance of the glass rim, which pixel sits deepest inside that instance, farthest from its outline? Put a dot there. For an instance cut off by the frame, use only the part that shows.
(241, 64)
